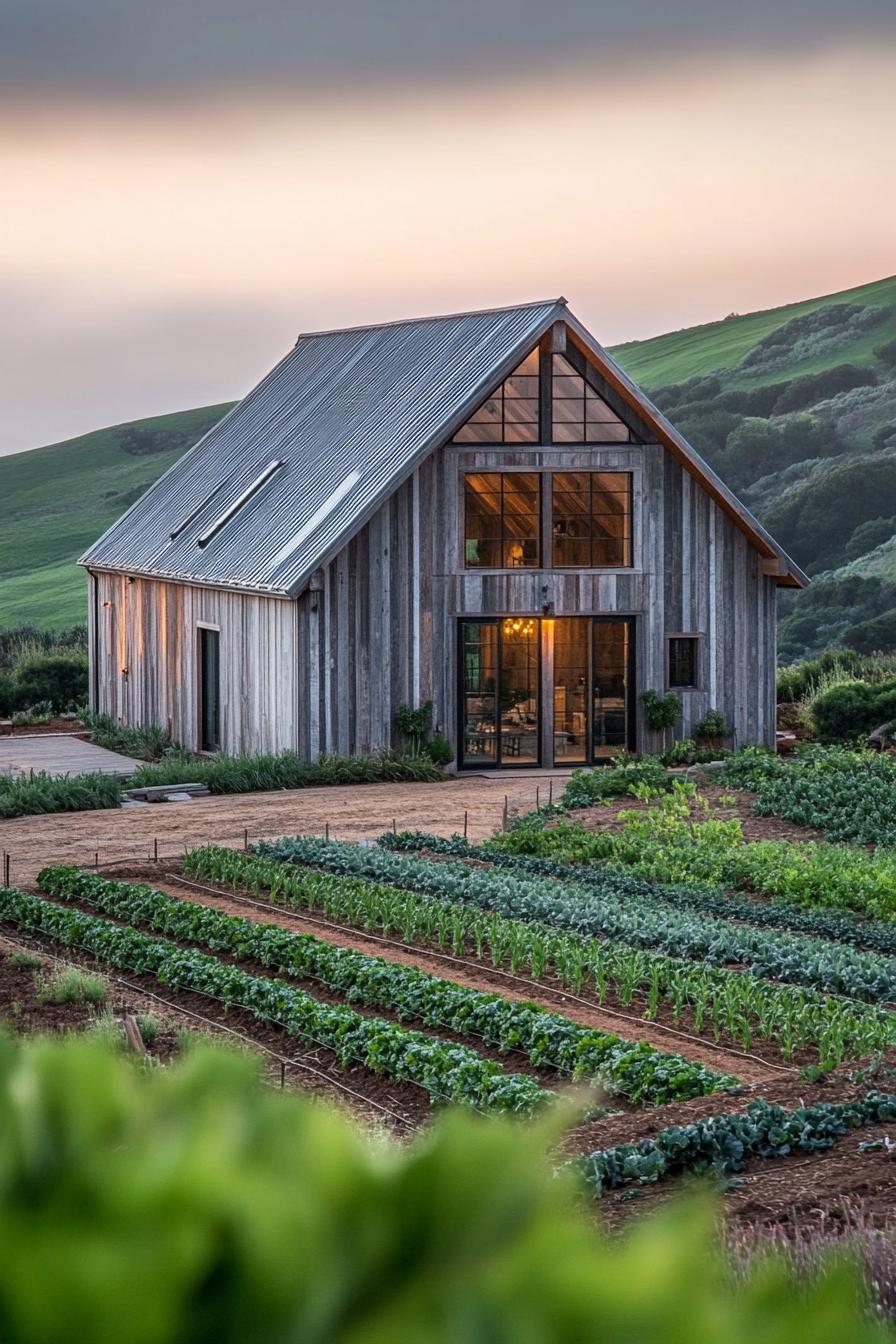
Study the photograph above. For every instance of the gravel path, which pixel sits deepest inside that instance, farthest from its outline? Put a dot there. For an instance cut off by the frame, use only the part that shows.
(352, 812)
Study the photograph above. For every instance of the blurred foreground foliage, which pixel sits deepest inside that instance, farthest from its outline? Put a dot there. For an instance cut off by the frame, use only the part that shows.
(190, 1204)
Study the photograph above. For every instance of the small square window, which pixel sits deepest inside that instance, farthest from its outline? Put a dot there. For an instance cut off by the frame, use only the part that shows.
(683, 661)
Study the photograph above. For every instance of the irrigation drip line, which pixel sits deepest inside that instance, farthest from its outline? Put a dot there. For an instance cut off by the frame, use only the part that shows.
(336, 989)
(273, 1022)
(489, 970)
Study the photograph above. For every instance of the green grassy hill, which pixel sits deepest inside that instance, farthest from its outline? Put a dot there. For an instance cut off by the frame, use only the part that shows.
(54, 501)
(795, 407)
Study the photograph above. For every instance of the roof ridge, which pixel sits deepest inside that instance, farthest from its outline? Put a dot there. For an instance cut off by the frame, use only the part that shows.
(434, 317)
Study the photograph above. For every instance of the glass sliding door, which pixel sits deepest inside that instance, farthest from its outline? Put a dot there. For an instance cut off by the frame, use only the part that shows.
(519, 691)
(479, 685)
(572, 665)
(499, 693)
(612, 687)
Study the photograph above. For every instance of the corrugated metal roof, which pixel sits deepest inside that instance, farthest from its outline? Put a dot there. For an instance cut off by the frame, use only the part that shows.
(294, 469)
(348, 414)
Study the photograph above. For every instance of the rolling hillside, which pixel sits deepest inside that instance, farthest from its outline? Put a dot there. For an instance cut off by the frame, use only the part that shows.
(794, 406)
(55, 500)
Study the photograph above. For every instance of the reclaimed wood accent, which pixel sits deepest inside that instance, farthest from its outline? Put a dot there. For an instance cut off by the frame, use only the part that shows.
(147, 661)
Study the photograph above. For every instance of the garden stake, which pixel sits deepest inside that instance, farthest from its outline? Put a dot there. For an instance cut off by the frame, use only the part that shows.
(246, 838)
(327, 831)
(537, 797)
(5, 868)
(504, 815)
(550, 793)
(155, 849)
(465, 824)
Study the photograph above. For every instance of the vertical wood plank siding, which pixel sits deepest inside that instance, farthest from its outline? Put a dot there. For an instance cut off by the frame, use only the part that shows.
(147, 664)
(395, 638)
(378, 627)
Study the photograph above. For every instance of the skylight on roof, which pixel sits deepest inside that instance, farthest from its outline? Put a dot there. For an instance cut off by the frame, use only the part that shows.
(205, 537)
(318, 517)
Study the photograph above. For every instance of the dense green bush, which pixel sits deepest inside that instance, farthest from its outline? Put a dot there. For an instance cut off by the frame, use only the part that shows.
(810, 388)
(150, 743)
(33, 796)
(819, 517)
(875, 636)
(853, 709)
(869, 535)
(58, 677)
(248, 774)
(21, 642)
(190, 1206)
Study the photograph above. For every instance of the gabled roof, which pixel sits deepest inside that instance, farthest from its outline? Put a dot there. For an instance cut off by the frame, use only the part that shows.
(292, 472)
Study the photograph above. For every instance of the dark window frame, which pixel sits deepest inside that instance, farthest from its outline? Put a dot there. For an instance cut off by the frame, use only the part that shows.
(628, 541)
(543, 421)
(208, 637)
(499, 762)
(505, 540)
(695, 639)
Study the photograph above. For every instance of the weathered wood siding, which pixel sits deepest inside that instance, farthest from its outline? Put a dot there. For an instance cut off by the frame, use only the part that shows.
(380, 628)
(145, 666)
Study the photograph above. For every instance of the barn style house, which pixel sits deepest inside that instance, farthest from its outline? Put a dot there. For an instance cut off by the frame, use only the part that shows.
(479, 510)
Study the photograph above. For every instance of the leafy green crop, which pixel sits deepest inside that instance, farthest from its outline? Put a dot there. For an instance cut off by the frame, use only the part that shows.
(636, 1071)
(605, 912)
(850, 795)
(737, 1005)
(875, 934)
(724, 1143)
(448, 1072)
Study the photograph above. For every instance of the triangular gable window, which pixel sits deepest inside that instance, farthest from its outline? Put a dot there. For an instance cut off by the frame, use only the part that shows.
(579, 414)
(510, 415)
(574, 411)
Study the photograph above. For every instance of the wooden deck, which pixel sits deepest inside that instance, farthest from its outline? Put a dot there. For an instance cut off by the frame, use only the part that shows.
(59, 754)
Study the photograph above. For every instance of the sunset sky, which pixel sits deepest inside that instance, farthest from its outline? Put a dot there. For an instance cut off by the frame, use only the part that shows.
(187, 184)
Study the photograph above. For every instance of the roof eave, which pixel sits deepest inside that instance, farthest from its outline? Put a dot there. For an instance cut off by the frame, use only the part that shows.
(789, 574)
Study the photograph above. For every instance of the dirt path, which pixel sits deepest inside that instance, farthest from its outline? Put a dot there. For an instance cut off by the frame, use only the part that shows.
(352, 813)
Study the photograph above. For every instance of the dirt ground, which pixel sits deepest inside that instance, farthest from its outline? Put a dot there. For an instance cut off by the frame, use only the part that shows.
(785, 1191)
(352, 813)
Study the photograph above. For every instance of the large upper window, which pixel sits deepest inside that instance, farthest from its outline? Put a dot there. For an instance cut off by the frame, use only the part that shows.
(579, 415)
(591, 519)
(502, 519)
(511, 414)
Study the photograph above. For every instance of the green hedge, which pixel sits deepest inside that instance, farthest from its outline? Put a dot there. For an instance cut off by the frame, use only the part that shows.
(47, 793)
